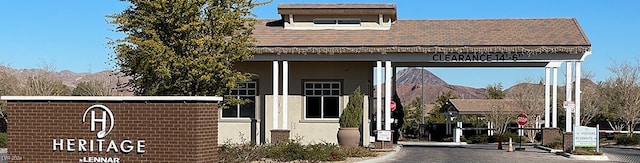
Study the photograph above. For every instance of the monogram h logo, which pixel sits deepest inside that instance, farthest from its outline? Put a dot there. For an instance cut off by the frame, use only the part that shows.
(103, 120)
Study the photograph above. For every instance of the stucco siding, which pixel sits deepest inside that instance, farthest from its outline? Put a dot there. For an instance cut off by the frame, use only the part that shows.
(234, 132)
(350, 74)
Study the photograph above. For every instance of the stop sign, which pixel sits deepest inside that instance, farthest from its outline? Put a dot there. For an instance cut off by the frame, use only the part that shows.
(523, 119)
(393, 106)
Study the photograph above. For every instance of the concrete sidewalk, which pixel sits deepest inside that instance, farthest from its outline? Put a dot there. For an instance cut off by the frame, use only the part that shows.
(398, 148)
(602, 157)
(432, 144)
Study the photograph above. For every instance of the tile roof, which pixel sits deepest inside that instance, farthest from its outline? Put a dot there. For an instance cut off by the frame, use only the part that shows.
(338, 6)
(561, 35)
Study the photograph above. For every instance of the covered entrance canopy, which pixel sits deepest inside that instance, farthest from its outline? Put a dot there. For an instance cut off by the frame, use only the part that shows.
(382, 39)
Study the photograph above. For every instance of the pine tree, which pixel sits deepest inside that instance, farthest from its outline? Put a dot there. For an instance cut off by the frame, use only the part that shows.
(184, 47)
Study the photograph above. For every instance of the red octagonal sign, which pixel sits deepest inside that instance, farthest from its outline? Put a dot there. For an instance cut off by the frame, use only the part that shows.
(393, 106)
(523, 119)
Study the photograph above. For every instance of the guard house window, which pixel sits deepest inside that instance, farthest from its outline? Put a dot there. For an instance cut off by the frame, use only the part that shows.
(322, 100)
(246, 91)
(336, 21)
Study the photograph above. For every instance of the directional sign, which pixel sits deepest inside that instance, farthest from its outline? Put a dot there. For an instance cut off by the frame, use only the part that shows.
(523, 119)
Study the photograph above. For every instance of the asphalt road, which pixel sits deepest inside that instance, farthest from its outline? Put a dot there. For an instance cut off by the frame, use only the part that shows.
(622, 154)
(480, 153)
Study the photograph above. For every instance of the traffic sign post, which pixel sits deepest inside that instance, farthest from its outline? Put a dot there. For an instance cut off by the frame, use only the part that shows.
(522, 120)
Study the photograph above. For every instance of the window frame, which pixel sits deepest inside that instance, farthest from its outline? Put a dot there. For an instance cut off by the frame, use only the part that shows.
(238, 107)
(322, 98)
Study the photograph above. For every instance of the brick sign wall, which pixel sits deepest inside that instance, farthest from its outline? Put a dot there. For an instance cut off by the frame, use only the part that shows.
(143, 131)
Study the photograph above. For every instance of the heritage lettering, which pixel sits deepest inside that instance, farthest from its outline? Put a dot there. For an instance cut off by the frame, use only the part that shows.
(474, 57)
(80, 145)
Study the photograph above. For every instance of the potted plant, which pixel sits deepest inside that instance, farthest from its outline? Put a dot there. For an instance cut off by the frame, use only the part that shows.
(350, 120)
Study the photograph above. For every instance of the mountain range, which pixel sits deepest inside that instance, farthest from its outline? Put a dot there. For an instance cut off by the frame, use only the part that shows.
(409, 86)
(409, 83)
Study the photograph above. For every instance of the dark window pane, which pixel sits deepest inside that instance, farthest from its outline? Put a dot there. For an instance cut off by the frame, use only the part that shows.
(349, 21)
(247, 109)
(231, 112)
(308, 92)
(335, 85)
(243, 92)
(327, 85)
(318, 92)
(252, 85)
(251, 92)
(234, 92)
(318, 85)
(313, 107)
(324, 21)
(331, 107)
(326, 92)
(308, 85)
(335, 92)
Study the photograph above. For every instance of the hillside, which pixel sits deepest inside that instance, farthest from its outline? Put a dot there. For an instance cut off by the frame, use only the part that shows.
(71, 79)
(409, 86)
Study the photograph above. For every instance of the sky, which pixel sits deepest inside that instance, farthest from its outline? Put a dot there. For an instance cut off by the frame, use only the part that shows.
(73, 34)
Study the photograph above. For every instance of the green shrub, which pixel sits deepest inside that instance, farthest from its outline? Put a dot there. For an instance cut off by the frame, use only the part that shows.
(478, 139)
(356, 152)
(505, 138)
(323, 152)
(240, 152)
(286, 151)
(627, 140)
(351, 116)
(3, 140)
(290, 151)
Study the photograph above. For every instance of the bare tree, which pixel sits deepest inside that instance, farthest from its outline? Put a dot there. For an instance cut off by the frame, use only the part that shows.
(91, 87)
(500, 114)
(621, 92)
(9, 85)
(591, 104)
(529, 97)
(44, 83)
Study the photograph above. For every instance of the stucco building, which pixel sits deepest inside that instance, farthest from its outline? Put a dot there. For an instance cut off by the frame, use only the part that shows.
(310, 60)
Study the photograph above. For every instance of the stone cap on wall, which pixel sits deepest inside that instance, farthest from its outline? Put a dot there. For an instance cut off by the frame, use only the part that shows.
(114, 98)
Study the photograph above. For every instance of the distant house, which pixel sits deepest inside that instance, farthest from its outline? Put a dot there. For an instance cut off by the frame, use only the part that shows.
(309, 61)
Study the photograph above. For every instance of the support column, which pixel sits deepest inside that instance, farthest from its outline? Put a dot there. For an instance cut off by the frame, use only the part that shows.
(537, 121)
(568, 83)
(490, 127)
(578, 92)
(379, 95)
(275, 95)
(547, 71)
(554, 103)
(387, 95)
(285, 94)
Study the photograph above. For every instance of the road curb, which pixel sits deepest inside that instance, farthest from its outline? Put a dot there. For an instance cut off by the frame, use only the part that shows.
(602, 157)
(384, 157)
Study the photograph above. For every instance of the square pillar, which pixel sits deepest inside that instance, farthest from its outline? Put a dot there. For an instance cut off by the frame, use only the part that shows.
(547, 101)
(276, 93)
(379, 95)
(578, 92)
(387, 95)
